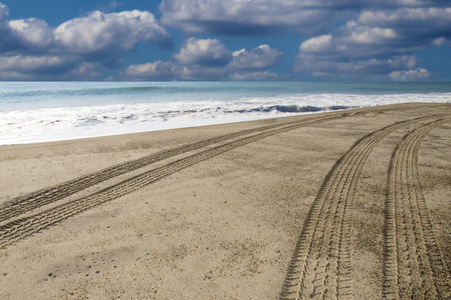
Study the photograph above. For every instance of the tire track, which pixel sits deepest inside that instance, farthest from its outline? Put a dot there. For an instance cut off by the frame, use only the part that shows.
(321, 264)
(23, 227)
(49, 195)
(414, 267)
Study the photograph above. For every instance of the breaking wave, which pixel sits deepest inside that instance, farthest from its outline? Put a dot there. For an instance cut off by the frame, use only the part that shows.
(38, 112)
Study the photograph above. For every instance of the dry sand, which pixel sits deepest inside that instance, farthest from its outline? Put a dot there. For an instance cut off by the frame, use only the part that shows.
(336, 205)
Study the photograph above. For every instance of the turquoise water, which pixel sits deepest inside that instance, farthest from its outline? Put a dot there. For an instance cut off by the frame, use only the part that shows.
(33, 95)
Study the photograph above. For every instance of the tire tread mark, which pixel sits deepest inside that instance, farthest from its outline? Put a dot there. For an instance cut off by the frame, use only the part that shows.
(321, 263)
(413, 263)
(23, 227)
(42, 197)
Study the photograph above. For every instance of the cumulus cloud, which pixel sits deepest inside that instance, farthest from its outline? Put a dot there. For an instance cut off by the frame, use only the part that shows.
(419, 25)
(377, 45)
(410, 75)
(32, 33)
(256, 58)
(263, 17)
(209, 59)
(365, 39)
(99, 31)
(247, 17)
(158, 70)
(203, 52)
(320, 44)
(35, 67)
(78, 48)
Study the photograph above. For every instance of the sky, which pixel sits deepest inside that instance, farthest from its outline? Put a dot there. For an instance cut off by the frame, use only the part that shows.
(308, 40)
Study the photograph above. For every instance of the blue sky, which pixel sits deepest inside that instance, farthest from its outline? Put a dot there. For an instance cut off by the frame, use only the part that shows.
(372, 40)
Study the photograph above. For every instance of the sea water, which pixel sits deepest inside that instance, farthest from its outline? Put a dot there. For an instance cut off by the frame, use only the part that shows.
(52, 111)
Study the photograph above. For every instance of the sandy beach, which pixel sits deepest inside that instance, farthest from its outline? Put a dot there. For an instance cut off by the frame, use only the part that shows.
(346, 204)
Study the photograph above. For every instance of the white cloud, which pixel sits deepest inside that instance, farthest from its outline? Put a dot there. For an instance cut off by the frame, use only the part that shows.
(250, 17)
(369, 35)
(263, 17)
(151, 71)
(411, 26)
(393, 17)
(318, 44)
(35, 67)
(32, 32)
(410, 75)
(209, 59)
(99, 31)
(79, 48)
(440, 41)
(255, 58)
(377, 45)
(199, 72)
(83, 71)
(28, 62)
(203, 52)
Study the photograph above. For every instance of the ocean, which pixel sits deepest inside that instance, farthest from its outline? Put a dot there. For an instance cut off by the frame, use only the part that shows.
(53, 111)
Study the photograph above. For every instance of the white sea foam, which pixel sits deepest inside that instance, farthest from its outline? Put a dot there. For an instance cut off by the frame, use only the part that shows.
(67, 122)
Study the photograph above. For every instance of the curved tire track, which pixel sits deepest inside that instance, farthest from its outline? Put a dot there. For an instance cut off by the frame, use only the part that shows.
(321, 264)
(413, 264)
(23, 227)
(49, 195)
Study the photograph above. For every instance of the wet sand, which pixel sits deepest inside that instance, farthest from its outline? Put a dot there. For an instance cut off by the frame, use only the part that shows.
(348, 204)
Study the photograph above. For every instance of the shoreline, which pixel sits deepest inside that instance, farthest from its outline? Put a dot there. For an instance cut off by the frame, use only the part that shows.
(160, 127)
(226, 223)
(65, 123)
